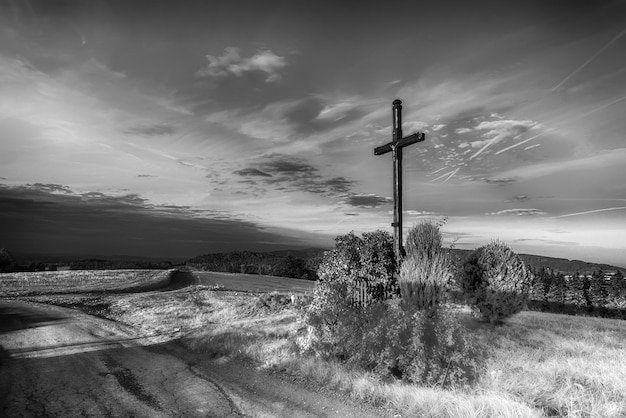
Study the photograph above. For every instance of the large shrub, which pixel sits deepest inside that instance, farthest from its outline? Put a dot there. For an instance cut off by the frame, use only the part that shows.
(496, 281)
(421, 346)
(355, 260)
(429, 348)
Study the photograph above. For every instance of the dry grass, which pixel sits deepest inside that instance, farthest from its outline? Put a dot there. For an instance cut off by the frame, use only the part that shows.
(540, 364)
(567, 366)
(81, 281)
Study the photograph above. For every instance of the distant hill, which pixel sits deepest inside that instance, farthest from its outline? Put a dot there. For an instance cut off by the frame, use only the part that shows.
(295, 262)
(562, 265)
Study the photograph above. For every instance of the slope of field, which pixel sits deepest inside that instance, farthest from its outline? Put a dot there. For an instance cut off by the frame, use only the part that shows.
(82, 281)
(253, 282)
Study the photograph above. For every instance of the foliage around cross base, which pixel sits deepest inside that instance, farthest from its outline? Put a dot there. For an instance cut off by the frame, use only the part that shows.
(429, 347)
(422, 346)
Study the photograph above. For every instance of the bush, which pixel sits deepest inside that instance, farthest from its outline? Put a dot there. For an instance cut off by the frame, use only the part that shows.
(273, 301)
(327, 319)
(424, 240)
(496, 281)
(425, 283)
(369, 259)
(419, 347)
(427, 272)
(450, 355)
(428, 347)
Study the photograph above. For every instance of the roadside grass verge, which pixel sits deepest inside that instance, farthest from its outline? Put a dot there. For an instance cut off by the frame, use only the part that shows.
(81, 281)
(539, 364)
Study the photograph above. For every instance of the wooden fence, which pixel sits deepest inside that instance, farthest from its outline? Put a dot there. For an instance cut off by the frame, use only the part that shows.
(365, 293)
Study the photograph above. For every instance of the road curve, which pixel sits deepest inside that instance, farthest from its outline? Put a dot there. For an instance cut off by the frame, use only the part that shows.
(57, 362)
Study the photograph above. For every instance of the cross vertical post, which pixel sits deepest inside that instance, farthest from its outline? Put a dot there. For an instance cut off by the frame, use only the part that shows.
(397, 179)
(395, 147)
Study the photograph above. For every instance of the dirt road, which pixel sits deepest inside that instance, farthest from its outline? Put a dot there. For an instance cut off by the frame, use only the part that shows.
(60, 362)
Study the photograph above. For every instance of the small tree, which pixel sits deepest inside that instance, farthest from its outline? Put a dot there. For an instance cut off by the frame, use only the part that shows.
(575, 291)
(497, 281)
(600, 289)
(558, 289)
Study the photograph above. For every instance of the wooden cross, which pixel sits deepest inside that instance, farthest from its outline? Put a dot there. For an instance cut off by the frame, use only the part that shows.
(395, 147)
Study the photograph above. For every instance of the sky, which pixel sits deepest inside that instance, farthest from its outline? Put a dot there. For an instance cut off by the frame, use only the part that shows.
(173, 129)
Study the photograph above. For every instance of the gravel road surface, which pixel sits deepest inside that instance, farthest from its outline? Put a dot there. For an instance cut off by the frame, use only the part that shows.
(59, 362)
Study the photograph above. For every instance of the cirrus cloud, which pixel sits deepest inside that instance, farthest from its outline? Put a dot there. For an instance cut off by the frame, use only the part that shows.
(517, 212)
(231, 62)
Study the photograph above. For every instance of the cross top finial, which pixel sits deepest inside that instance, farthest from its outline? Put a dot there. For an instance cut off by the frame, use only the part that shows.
(397, 102)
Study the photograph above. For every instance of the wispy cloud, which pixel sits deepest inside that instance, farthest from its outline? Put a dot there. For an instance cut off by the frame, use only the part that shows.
(518, 144)
(498, 130)
(448, 175)
(517, 212)
(591, 211)
(252, 172)
(151, 130)
(500, 180)
(231, 62)
(613, 159)
(593, 57)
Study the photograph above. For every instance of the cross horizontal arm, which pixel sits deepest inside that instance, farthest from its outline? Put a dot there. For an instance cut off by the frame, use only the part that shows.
(384, 149)
(404, 142)
(411, 139)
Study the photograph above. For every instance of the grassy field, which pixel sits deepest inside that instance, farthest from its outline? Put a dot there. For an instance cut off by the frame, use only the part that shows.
(81, 281)
(539, 364)
(254, 282)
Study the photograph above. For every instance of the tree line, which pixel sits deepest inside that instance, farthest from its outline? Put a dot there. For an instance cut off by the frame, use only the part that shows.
(598, 293)
(248, 262)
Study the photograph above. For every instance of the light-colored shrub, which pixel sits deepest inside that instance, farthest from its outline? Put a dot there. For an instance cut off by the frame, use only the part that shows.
(425, 282)
(424, 240)
(427, 271)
